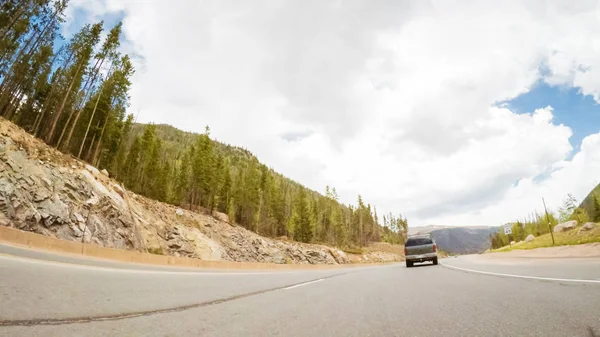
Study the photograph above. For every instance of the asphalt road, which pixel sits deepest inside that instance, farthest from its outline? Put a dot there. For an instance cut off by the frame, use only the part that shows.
(40, 296)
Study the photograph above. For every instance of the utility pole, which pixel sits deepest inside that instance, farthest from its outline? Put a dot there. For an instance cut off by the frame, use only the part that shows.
(548, 219)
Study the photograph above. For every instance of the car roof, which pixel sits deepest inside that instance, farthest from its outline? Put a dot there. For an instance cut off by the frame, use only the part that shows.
(419, 235)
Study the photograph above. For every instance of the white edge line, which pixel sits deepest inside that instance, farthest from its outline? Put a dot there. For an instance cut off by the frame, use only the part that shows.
(522, 276)
(303, 284)
(132, 271)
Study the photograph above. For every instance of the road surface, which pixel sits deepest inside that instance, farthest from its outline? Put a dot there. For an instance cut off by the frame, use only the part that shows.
(47, 295)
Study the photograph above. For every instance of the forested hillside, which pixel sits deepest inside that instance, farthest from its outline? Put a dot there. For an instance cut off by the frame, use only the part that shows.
(591, 204)
(73, 94)
(197, 171)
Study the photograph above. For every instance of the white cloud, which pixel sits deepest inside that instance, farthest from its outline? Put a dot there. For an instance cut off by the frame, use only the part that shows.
(393, 100)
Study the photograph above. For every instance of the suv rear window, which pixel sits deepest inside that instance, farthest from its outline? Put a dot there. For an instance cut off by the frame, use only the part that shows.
(418, 241)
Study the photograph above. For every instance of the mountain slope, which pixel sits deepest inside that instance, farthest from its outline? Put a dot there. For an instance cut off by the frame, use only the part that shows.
(459, 240)
(47, 192)
(197, 172)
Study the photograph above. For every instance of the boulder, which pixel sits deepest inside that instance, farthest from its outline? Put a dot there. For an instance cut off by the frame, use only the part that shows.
(221, 216)
(512, 242)
(92, 170)
(587, 227)
(529, 238)
(105, 172)
(565, 226)
(119, 190)
(179, 212)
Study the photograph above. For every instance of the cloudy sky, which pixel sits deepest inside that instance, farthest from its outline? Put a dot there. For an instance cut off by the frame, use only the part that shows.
(450, 112)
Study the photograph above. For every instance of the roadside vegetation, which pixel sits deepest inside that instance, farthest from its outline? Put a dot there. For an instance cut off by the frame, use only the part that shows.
(571, 237)
(540, 224)
(74, 94)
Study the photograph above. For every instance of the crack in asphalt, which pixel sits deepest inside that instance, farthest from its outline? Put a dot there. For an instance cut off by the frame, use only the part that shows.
(114, 317)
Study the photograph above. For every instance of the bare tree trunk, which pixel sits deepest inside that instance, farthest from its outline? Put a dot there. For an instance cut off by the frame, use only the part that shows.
(14, 105)
(95, 157)
(62, 133)
(90, 123)
(62, 105)
(89, 149)
(68, 141)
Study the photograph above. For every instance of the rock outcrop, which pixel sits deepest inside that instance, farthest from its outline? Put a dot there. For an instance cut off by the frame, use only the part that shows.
(47, 192)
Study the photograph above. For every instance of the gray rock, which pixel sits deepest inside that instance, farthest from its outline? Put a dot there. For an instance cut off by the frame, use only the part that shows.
(587, 227)
(41, 195)
(47, 182)
(120, 191)
(92, 201)
(53, 211)
(529, 238)
(565, 226)
(104, 172)
(92, 170)
(179, 212)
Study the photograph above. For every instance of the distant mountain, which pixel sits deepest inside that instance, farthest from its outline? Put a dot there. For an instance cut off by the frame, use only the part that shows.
(459, 240)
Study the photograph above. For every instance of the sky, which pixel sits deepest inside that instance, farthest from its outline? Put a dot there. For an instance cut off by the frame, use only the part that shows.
(449, 112)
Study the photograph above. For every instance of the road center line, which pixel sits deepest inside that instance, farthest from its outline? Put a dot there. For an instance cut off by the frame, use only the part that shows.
(303, 284)
(522, 276)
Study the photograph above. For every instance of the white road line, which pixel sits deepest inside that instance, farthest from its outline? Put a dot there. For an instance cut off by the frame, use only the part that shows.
(185, 271)
(303, 284)
(523, 276)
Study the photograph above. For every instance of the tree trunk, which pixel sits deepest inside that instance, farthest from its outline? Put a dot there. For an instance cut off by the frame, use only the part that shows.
(68, 141)
(14, 20)
(89, 150)
(90, 123)
(16, 60)
(62, 105)
(95, 159)
(62, 133)
(14, 105)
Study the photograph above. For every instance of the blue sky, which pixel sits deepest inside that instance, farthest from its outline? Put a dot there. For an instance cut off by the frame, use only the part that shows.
(571, 108)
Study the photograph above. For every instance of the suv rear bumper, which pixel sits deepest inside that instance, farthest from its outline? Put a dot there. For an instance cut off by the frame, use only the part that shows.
(421, 257)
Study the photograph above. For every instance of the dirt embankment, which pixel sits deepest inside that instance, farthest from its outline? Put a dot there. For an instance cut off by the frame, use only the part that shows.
(47, 192)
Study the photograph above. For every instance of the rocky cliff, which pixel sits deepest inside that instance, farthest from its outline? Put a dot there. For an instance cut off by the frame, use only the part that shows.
(47, 192)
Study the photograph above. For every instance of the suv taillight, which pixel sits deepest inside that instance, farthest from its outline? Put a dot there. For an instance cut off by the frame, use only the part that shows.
(434, 247)
(404, 251)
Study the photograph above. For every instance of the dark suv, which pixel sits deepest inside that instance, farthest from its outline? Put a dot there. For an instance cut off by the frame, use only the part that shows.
(420, 248)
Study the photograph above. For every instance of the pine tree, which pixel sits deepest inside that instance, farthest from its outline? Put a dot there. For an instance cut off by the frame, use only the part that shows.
(596, 209)
(301, 220)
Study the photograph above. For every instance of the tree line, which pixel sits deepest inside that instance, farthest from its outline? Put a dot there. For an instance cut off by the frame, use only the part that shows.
(197, 172)
(73, 94)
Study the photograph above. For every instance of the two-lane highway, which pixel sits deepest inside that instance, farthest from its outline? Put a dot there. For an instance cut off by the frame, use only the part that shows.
(65, 298)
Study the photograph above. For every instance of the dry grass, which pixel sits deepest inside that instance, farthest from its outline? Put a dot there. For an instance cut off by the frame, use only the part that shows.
(384, 247)
(568, 238)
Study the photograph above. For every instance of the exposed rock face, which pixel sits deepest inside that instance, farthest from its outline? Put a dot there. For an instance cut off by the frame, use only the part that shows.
(565, 226)
(44, 191)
